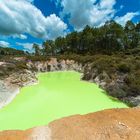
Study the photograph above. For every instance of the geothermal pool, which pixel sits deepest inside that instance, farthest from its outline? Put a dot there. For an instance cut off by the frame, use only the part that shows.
(57, 95)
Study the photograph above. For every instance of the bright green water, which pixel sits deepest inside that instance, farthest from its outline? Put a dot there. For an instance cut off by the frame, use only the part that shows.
(57, 95)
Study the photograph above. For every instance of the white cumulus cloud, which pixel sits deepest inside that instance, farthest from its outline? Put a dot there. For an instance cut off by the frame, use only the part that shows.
(21, 16)
(92, 12)
(26, 46)
(123, 19)
(4, 44)
(30, 0)
(21, 36)
(87, 12)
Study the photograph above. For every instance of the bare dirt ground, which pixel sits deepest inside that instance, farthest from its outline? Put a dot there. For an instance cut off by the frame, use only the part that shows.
(115, 124)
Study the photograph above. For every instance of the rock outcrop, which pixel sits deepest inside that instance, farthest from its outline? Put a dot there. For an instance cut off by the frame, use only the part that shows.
(12, 81)
(115, 86)
(115, 124)
(7, 93)
(54, 65)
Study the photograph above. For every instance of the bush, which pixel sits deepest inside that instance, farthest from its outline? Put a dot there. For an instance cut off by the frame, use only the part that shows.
(124, 68)
(133, 82)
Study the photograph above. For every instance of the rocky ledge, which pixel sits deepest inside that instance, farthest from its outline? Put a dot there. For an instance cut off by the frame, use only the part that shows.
(115, 124)
(114, 83)
(14, 76)
(12, 80)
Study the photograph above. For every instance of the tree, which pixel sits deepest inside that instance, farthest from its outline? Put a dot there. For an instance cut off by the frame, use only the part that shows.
(61, 45)
(137, 29)
(86, 39)
(130, 26)
(49, 47)
(111, 37)
(108, 39)
(132, 36)
(2, 52)
(72, 41)
(10, 51)
(36, 48)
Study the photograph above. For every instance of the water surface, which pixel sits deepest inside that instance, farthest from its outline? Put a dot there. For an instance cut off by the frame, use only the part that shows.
(57, 95)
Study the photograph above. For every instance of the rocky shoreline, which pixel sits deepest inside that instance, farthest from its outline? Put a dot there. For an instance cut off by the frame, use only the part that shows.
(7, 93)
(114, 86)
(11, 84)
(114, 124)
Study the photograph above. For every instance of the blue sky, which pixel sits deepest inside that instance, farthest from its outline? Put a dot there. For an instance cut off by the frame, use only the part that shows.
(24, 22)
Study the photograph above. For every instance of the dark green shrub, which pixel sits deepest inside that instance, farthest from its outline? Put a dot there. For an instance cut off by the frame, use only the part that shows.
(124, 68)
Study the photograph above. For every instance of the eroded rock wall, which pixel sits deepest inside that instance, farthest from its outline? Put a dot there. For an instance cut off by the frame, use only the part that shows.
(115, 86)
(54, 65)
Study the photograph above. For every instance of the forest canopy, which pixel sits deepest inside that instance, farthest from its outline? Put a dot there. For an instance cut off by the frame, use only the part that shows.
(107, 39)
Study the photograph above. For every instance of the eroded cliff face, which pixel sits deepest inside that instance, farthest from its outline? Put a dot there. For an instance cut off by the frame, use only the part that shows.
(54, 65)
(113, 83)
(115, 86)
(12, 80)
(115, 124)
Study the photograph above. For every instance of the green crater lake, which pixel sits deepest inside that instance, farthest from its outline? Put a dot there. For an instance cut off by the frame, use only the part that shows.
(58, 94)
